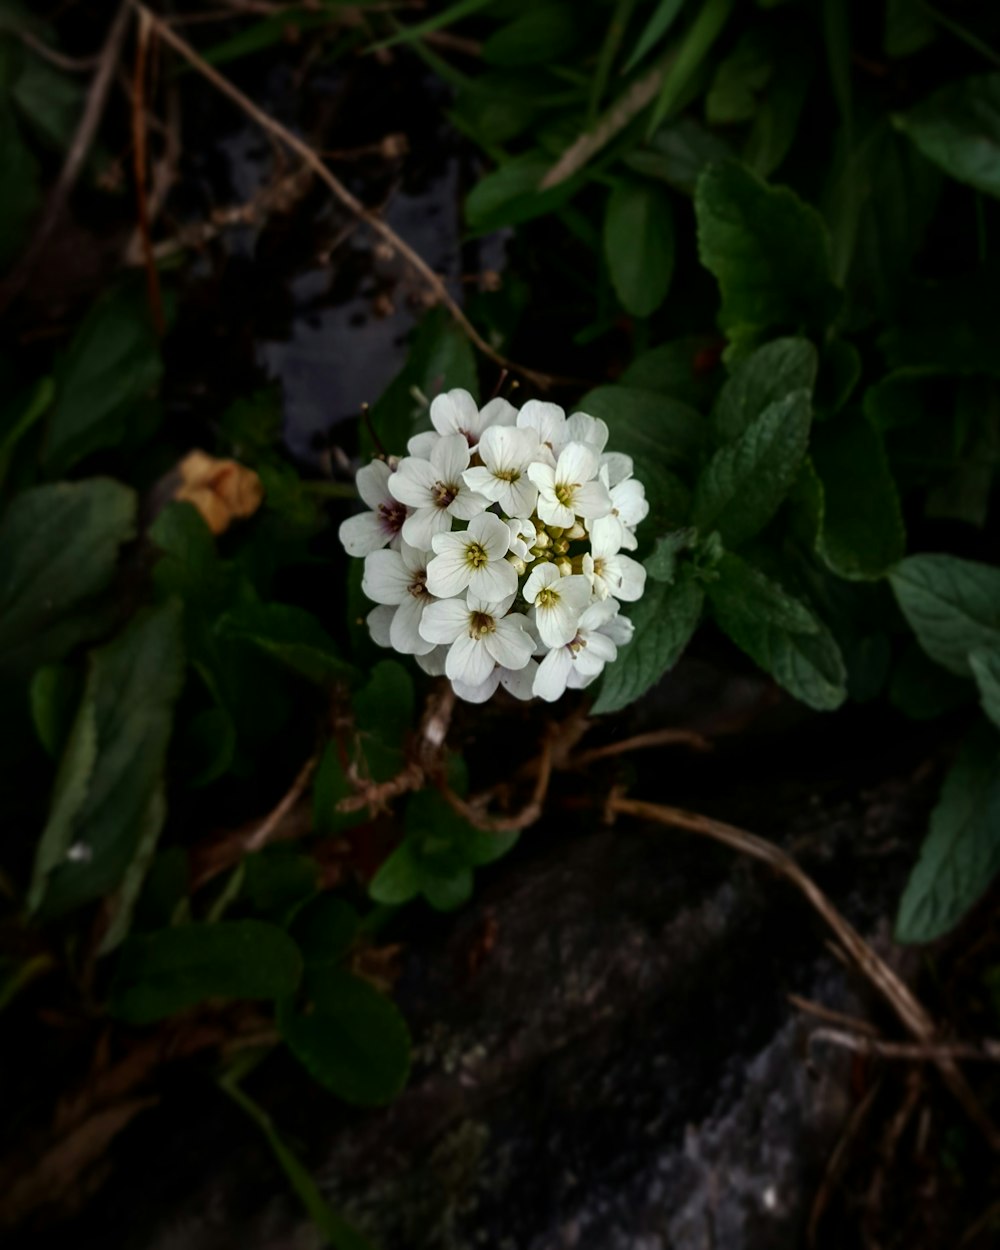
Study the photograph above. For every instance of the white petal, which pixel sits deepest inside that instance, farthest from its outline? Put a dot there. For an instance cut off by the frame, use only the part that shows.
(619, 629)
(493, 581)
(577, 463)
(467, 504)
(380, 625)
(413, 482)
(626, 577)
(543, 475)
(371, 483)
(404, 633)
(509, 644)
(600, 650)
(421, 528)
(444, 621)
(477, 694)
(454, 412)
(598, 615)
(590, 430)
(497, 412)
(450, 458)
(519, 498)
(386, 578)
(606, 533)
(541, 575)
(468, 660)
(414, 559)
(557, 623)
(548, 420)
(423, 444)
(553, 512)
(448, 574)
(519, 682)
(618, 465)
(630, 501)
(552, 675)
(591, 500)
(491, 533)
(482, 480)
(433, 662)
(363, 534)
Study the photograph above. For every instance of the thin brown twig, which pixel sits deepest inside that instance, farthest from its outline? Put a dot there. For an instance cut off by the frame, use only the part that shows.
(260, 837)
(76, 154)
(918, 1052)
(303, 150)
(528, 814)
(139, 136)
(854, 1023)
(883, 978)
(835, 1164)
(641, 742)
(71, 64)
(888, 1148)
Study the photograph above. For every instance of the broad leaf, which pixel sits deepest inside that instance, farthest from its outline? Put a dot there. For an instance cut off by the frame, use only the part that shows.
(665, 619)
(352, 1040)
(58, 550)
(771, 373)
(639, 245)
(958, 128)
(769, 252)
(745, 482)
(540, 35)
(651, 428)
(961, 853)
(862, 532)
(164, 972)
(107, 790)
(684, 369)
(985, 664)
(289, 635)
(952, 605)
(781, 634)
(678, 154)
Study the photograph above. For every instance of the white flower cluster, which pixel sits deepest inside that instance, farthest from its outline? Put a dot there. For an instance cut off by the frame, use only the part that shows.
(495, 549)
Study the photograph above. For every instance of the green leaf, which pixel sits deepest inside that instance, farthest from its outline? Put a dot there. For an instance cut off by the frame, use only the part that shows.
(655, 30)
(662, 564)
(639, 245)
(510, 195)
(923, 690)
(112, 366)
(446, 17)
(107, 789)
(651, 428)
(961, 853)
(665, 619)
(771, 627)
(331, 784)
(985, 664)
(862, 532)
(278, 878)
(745, 482)
(54, 695)
(678, 153)
(335, 1229)
(740, 79)
(289, 635)
(952, 605)
(50, 101)
(22, 195)
(538, 36)
(353, 1041)
(386, 704)
(158, 974)
(908, 28)
(683, 369)
(58, 551)
(769, 374)
(958, 129)
(18, 417)
(708, 24)
(768, 251)
(189, 564)
(325, 929)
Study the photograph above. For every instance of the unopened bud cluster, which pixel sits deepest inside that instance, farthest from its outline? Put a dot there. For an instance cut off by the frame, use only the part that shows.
(495, 549)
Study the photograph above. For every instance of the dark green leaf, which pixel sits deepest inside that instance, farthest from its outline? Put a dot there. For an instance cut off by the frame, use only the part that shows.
(330, 786)
(289, 635)
(445, 17)
(708, 24)
(161, 973)
(50, 101)
(113, 364)
(54, 695)
(189, 565)
(108, 788)
(769, 253)
(745, 482)
(650, 428)
(58, 550)
(18, 416)
(678, 153)
(769, 374)
(958, 129)
(538, 36)
(325, 930)
(758, 616)
(278, 878)
(353, 1041)
(908, 28)
(961, 854)
(684, 369)
(739, 80)
(779, 110)
(952, 605)
(862, 532)
(985, 664)
(207, 746)
(510, 195)
(662, 564)
(655, 30)
(664, 619)
(639, 245)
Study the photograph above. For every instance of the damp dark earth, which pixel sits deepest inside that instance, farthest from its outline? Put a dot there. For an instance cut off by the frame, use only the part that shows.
(647, 903)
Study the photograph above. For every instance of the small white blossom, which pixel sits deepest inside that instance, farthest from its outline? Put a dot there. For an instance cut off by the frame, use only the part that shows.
(591, 431)
(629, 506)
(518, 682)
(479, 636)
(473, 560)
(398, 579)
(569, 490)
(583, 658)
(612, 574)
(549, 423)
(368, 531)
(507, 454)
(456, 412)
(435, 490)
(522, 537)
(558, 602)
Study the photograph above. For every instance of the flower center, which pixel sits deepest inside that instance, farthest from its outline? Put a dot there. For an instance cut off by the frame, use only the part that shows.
(418, 587)
(476, 555)
(507, 475)
(469, 438)
(598, 566)
(443, 494)
(392, 516)
(547, 597)
(576, 645)
(481, 624)
(564, 493)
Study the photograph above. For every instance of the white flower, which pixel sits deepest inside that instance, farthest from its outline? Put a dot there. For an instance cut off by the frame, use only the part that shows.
(568, 490)
(559, 602)
(629, 506)
(480, 635)
(398, 579)
(549, 423)
(455, 412)
(581, 428)
(422, 444)
(611, 573)
(522, 537)
(518, 682)
(434, 488)
(473, 560)
(506, 454)
(368, 531)
(583, 658)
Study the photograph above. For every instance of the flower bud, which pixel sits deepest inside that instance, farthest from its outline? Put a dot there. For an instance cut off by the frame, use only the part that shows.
(543, 540)
(564, 566)
(518, 564)
(575, 532)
